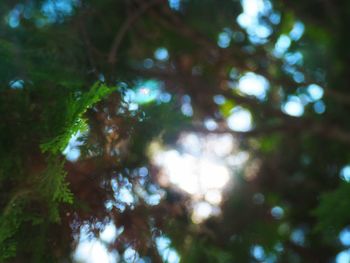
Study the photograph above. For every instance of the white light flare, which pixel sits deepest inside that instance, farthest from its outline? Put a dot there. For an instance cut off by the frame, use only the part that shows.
(240, 120)
(254, 85)
(200, 166)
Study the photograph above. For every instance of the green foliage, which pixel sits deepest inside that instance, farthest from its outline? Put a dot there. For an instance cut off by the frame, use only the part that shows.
(269, 143)
(201, 251)
(226, 108)
(72, 120)
(54, 188)
(337, 201)
(292, 160)
(48, 187)
(10, 221)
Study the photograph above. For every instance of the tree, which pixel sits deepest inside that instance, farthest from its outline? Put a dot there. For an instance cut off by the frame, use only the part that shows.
(89, 87)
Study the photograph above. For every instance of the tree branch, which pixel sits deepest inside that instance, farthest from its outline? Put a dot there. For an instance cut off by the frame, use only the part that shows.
(287, 122)
(112, 57)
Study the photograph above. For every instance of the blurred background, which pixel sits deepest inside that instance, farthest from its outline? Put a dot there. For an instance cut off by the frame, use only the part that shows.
(174, 131)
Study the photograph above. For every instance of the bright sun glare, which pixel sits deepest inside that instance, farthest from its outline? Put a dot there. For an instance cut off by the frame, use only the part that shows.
(202, 166)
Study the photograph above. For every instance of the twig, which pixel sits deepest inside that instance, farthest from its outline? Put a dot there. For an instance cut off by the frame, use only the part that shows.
(112, 57)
